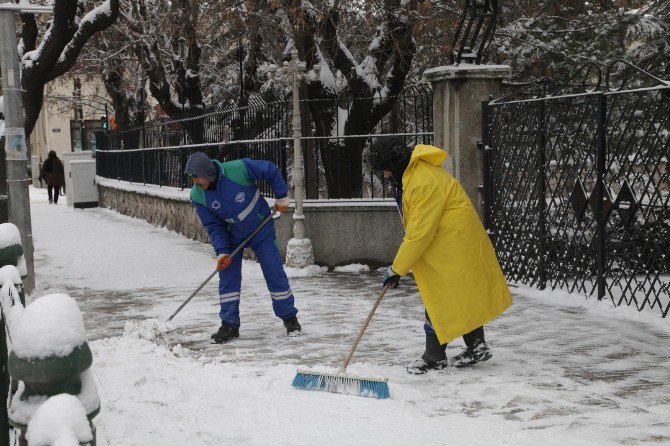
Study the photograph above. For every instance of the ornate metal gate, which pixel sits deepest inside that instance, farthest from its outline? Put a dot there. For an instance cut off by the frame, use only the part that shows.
(577, 186)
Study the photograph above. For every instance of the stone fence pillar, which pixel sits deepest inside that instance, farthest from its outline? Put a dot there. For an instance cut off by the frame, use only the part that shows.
(458, 92)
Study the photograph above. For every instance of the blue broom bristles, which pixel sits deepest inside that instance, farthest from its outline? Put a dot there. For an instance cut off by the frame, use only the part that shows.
(342, 384)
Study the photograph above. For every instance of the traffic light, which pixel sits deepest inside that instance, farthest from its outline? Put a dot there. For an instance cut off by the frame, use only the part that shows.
(103, 123)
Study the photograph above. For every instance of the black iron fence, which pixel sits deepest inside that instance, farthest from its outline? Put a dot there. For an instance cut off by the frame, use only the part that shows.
(334, 164)
(577, 186)
(164, 166)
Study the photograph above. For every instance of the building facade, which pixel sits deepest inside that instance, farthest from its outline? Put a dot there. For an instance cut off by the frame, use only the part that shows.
(72, 113)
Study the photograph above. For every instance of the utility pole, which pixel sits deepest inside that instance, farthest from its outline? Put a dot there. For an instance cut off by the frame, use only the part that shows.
(15, 137)
(299, 252)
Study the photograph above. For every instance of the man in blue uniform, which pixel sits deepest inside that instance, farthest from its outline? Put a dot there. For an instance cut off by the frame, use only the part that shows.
(230, 207)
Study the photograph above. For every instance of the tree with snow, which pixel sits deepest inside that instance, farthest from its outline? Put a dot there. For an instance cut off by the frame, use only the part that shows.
(539, 39)
(63, 36)
(327, 36)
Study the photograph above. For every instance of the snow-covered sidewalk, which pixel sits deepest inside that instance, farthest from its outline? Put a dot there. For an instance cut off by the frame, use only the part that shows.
(564, 371)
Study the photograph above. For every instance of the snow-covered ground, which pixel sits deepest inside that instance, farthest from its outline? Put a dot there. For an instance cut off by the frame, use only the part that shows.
(564, 370)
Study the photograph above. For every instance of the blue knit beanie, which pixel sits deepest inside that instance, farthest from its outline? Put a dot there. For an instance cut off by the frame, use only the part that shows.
(199, 165)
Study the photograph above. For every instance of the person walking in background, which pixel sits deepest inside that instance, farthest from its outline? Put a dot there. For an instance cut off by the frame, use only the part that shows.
(53, 173)
(446, 247)
(231, 207)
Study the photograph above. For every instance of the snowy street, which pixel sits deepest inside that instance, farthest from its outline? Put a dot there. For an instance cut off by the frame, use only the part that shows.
(565, 371)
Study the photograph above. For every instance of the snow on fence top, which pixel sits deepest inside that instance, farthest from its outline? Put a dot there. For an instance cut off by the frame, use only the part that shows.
(52, 325)
(60, 420)
(9, 235)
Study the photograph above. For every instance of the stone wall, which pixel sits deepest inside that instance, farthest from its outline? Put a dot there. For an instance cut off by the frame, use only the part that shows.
(174, 214)
(342, 231)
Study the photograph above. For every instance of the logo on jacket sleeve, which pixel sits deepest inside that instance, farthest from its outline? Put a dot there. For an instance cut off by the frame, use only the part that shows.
(216, 204)
(239, 198)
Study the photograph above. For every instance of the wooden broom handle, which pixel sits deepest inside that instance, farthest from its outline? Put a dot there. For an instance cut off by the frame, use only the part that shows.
(360, 333)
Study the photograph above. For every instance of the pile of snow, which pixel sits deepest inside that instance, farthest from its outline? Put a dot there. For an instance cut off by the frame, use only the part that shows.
(353, 268)
(149, 329)
(308, 271)
(9, 235)
(60, 421)
(51, 325)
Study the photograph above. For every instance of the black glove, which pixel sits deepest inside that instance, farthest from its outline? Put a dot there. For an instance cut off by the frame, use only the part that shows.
(391, 277)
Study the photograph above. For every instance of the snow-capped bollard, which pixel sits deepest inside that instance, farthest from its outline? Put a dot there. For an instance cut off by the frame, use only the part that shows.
(49, 356)
(11, 251)
(11, 274)
(61, 420)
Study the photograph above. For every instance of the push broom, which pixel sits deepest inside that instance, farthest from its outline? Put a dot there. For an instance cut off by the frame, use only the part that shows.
(343, 382)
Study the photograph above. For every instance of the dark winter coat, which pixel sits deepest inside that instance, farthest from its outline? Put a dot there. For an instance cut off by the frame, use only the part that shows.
(52, 172)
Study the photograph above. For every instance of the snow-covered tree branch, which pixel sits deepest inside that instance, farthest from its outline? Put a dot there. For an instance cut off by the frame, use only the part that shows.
(62, 41)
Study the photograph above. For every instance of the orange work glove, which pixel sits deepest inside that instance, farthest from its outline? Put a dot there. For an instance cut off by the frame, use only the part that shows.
(223, 261)
(282, 203)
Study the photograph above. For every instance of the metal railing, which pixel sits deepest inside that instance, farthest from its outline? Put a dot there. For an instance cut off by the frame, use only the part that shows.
(577, 186)
(334, 165)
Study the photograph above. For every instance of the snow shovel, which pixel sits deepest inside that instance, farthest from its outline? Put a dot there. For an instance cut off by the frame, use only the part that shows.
(341, 381)
(238, 249)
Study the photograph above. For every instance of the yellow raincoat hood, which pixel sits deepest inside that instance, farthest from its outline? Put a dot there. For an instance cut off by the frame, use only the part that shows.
(430, 154)
(447, 249)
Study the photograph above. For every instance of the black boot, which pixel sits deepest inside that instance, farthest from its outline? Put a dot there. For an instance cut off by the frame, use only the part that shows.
(225, 334)
(434, 358)
(292, 326)
(476, 349)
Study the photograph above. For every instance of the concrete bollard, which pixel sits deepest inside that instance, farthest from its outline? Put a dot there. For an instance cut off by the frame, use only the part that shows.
(11, 252)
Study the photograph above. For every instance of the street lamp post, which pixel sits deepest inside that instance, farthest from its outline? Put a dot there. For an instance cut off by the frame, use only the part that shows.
(182, 98)
(240, 58)
(240, 102)
(299, 253)
(182, 72)
(79, 113)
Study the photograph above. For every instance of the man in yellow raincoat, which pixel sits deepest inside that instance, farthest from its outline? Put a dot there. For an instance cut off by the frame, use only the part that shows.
(447, 249)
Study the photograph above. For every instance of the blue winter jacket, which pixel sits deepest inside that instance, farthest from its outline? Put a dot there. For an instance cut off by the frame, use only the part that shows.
(234, 209)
